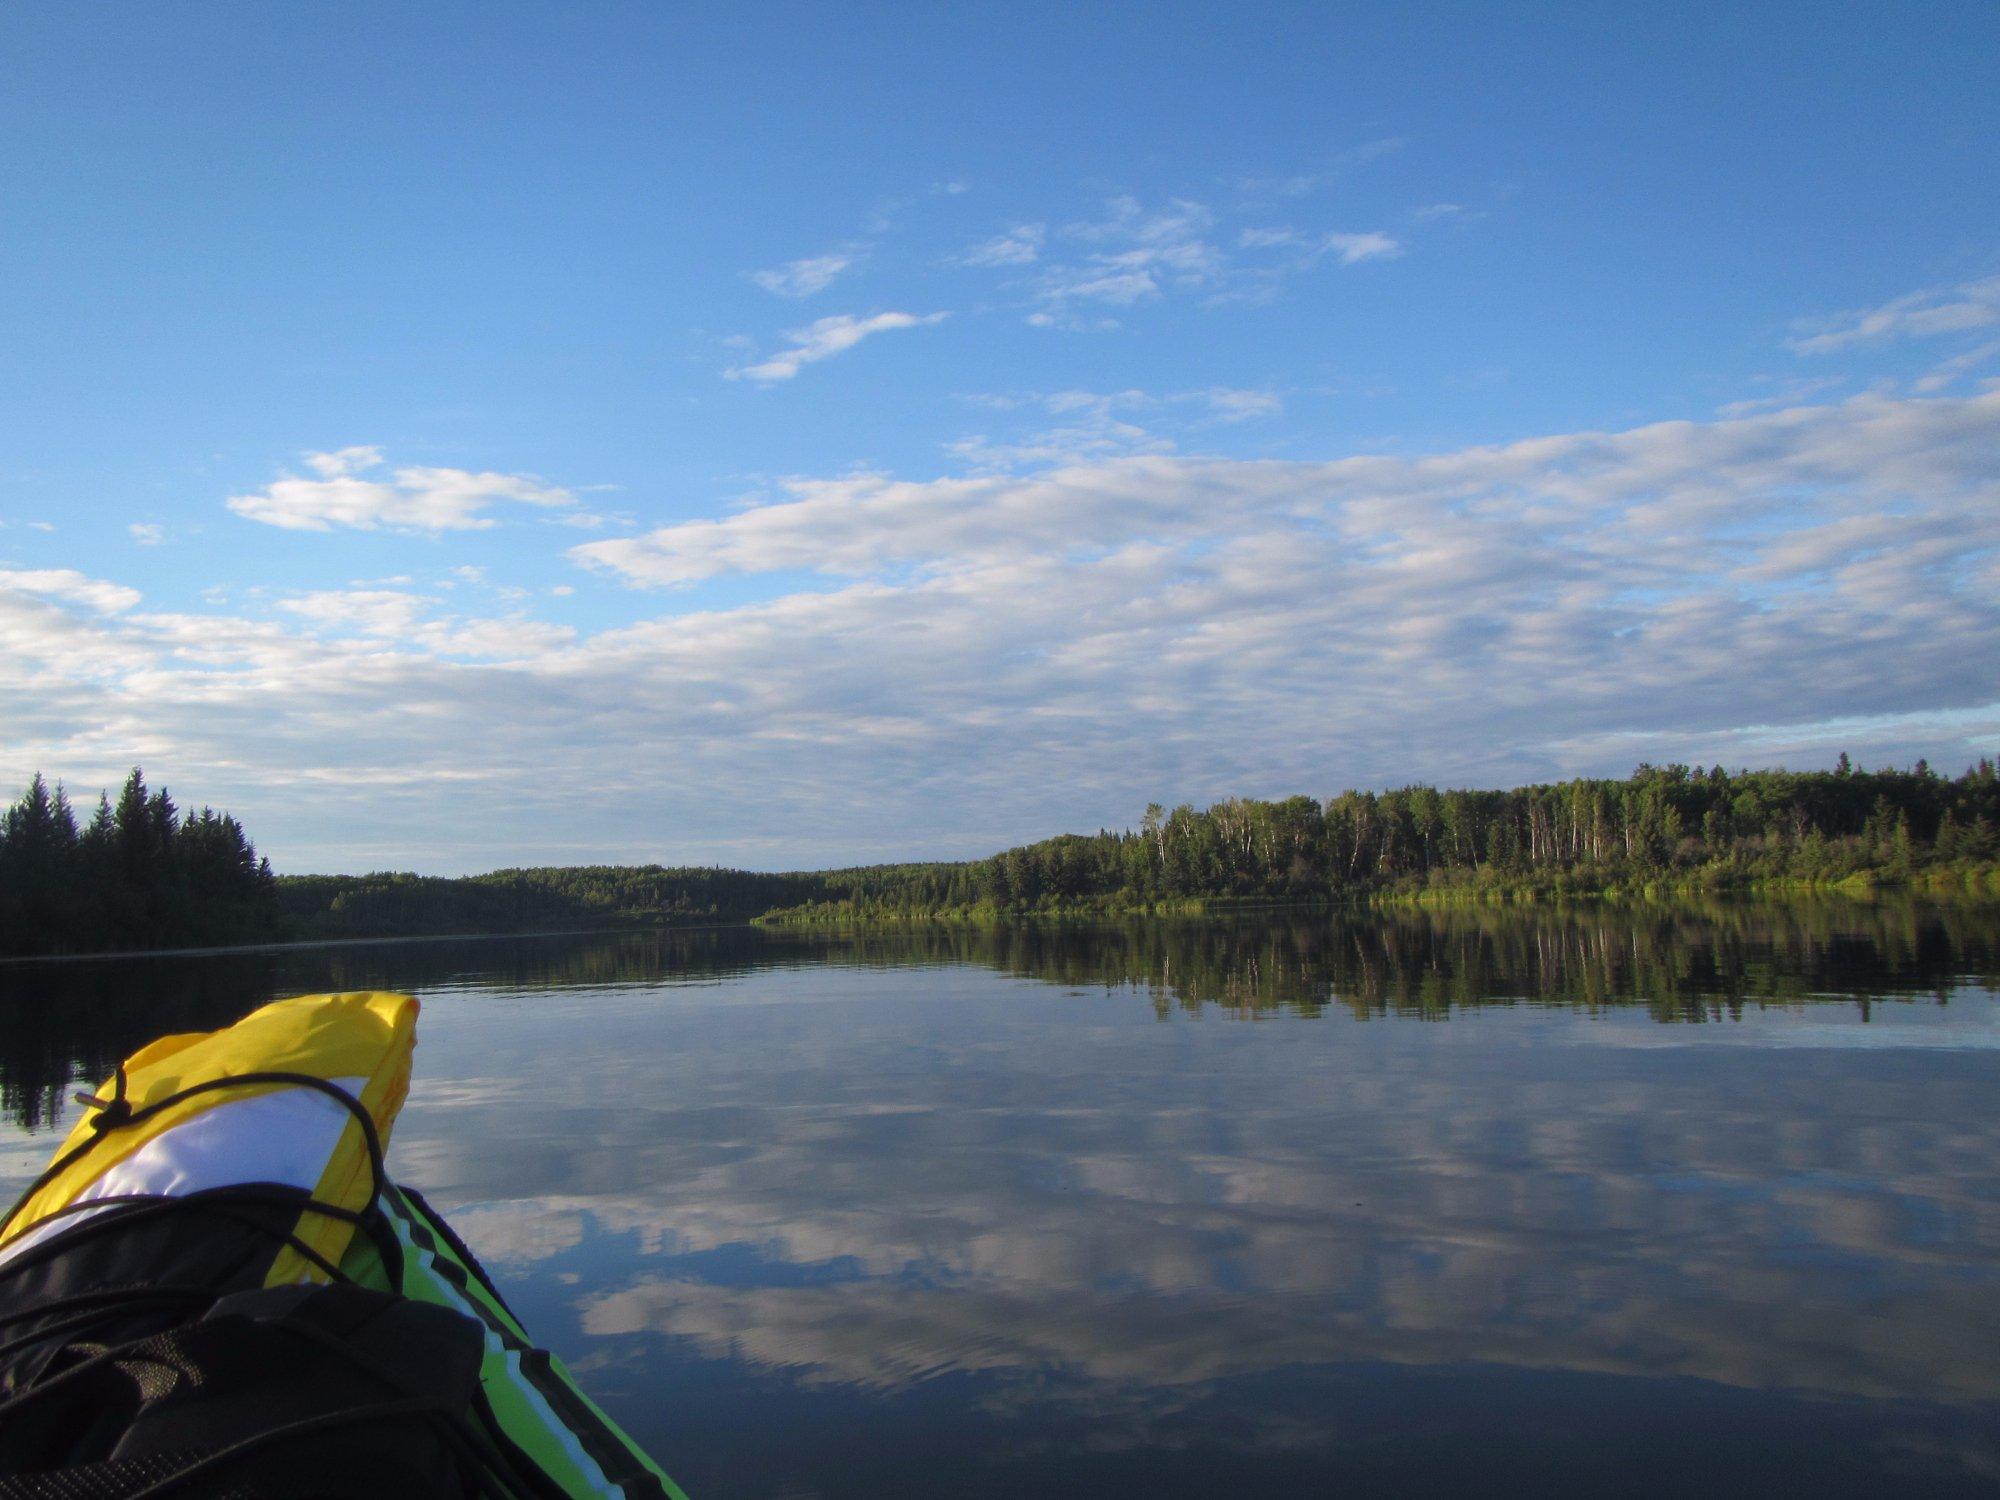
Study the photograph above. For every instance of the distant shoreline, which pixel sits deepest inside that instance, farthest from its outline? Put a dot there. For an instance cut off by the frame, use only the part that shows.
(143, 875)
(219, 950)
(841, 921)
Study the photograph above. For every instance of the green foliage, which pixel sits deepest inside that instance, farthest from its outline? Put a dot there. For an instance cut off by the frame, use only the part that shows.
(1671, 828)
(136, 876)
(545, 900)
(140, 875)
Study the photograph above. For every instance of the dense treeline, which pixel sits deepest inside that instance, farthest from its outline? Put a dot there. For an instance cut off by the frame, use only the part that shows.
(546, 900)
(140, 875)
(1672, 827)
(136, 875)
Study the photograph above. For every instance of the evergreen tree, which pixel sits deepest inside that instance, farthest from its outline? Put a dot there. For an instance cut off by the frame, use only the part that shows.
(137, 876)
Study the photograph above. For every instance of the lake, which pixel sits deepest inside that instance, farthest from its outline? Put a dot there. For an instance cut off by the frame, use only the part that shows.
(1636, 1201)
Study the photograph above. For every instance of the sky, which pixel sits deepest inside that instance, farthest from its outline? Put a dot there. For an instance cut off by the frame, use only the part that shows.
(453, 437)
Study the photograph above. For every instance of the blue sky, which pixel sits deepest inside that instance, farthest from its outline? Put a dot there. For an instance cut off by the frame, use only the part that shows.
(460, 436)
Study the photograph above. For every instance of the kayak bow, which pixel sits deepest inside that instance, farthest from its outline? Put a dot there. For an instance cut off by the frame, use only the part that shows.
(215, 1287)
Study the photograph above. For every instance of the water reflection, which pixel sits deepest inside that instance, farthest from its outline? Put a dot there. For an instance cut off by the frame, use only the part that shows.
(935, 1213)
(1688, 962)
(68, 1020)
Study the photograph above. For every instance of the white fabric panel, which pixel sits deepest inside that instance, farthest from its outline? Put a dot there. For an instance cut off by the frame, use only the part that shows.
(285, 1136)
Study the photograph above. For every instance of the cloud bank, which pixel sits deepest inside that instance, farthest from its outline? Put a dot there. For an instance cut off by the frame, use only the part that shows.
(972, 660)
(67, 586)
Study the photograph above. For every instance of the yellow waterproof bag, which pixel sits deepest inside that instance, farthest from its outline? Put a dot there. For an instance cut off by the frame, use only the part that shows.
(216, 1283)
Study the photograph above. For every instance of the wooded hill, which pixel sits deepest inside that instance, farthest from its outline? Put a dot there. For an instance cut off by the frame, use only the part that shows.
(574, 898)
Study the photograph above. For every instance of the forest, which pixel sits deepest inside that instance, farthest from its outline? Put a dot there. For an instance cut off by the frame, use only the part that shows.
(1662, 829)
(139, 874)
(578, 898)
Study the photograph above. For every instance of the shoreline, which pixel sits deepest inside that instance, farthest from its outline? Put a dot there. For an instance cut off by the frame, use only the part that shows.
(217, 951)
(784, 922)
(1432, 899)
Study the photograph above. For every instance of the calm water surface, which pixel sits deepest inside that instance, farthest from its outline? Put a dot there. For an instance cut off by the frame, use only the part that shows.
(1552, 1203)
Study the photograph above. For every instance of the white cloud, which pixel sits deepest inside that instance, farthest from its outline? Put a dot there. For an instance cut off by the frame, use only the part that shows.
(1087, 425)
(826, 338)
(1019, 246)
(1094, 425)
(1678, 479)
(1354, 248)
(409, 499)
(1121, 285)
(512, 638)
(1232, 405)
(1947, 371)
(1789, 392)
(387, 612)
(1133, 254)
(990, 657)
(1925, 314)
(147, 533)
(405, 622)
(1349, 249)
(344, 461)
(69, 587)
(1300, 184)
(1128, 221)
(1147, 253)
(802, 278)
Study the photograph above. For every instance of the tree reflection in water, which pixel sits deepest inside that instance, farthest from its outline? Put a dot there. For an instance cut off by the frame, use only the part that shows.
(1685, 961)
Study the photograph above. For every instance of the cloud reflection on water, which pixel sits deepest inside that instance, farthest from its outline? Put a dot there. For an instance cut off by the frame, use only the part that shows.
(1162, 1209)
(798, 1206)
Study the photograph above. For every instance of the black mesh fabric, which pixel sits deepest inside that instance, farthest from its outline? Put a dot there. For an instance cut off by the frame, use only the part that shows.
(303, 1392)
(110, 1481)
